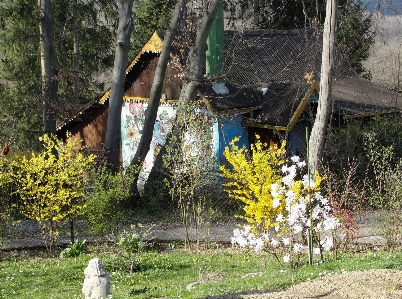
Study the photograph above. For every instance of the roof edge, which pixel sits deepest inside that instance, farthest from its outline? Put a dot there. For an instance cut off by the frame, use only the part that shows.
(302, 105)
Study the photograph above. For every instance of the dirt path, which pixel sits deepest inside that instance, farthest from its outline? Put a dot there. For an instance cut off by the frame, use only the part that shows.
(370, 284)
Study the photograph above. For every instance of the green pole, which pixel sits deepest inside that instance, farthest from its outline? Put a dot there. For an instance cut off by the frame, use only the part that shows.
(215, 54)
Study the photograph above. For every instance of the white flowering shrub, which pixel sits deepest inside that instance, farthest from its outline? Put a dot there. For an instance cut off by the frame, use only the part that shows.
(306, 211)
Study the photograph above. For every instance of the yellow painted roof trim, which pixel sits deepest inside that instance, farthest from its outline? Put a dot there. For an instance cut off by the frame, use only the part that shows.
(264, 126)
(104, 97)
(302, 105)
(154, 44)
(127, 98)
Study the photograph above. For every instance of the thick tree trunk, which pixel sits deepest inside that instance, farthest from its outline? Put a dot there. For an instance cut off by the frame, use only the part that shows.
(318, 134)
(48, 66)
(196, 57)
(125, 28)
(157, 84)
(194, 69)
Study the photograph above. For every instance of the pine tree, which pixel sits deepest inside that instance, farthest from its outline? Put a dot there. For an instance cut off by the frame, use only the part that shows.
(20, 76)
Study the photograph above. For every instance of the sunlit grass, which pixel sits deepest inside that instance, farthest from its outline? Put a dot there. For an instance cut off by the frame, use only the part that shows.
(168, 274)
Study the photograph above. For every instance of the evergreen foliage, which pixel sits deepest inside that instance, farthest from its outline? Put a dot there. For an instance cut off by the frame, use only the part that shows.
(149, 16)
(20, 76)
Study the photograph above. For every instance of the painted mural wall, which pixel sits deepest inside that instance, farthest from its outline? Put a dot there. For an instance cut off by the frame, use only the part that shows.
(224, 130)
(132, 124)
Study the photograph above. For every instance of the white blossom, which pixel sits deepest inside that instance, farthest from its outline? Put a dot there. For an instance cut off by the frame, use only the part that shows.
(308, 183)
(286, 258)
(297, 247)
(258, 244)
(290, 197)
(301, 164)
(295, 159)
(276, 203)
(274, 242)
(279, 217)
(330, 223)
(287, 180)
(274, 190)
(286, 241)
(297, 228)
(327, 243)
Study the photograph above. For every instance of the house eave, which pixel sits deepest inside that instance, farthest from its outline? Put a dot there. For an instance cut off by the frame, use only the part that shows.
(228, 112)
(265, 126)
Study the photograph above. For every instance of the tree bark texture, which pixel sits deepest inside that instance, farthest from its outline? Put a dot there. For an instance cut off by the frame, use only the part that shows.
(196, 57)
(77, 93)
(48, 66)
(113, 130)
(194, 70)
(318, 133)
(157, 84)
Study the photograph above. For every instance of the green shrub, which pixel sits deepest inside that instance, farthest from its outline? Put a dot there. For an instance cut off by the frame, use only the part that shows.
(132, 241)
(74, 250)
(105, 195)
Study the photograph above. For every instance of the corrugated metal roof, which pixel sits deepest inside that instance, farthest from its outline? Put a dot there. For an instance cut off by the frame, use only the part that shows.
(354, 97)
(276, 60)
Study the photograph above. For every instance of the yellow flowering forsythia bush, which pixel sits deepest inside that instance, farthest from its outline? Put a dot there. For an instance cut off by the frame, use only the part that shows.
(51, 184)
(250, 178)
(281, 204)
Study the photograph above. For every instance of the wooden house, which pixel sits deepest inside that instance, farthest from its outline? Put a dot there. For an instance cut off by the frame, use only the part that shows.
(265, 92)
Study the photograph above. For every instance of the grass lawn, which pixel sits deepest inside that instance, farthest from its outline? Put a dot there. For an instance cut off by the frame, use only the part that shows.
(168, 273)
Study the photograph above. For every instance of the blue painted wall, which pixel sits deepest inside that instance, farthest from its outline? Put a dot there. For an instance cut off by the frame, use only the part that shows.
(225, 129)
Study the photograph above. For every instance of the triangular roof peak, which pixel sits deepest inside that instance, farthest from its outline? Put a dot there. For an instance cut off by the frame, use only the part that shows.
(153, 45)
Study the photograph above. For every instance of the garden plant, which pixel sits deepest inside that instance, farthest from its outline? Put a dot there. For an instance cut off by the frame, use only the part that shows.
(283, 205)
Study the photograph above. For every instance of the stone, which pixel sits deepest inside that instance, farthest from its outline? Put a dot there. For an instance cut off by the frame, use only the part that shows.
(97, 281)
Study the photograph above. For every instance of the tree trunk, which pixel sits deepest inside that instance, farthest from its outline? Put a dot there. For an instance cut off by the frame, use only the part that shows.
(48, 66)
(194, 69)
(113, 130)
(77, 93)
(196, 57)
(318, 134)
(157, 84)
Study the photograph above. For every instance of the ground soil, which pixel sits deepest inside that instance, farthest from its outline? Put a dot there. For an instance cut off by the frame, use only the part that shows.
(370, 284)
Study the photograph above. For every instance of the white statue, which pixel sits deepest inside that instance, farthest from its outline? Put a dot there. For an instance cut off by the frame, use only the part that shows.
(97, 281)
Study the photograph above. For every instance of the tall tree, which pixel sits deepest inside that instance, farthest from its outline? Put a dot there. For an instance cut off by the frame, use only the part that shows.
(77, 93)
(49, 67)
(193, 73)
(19, 33)
(196, 56)
(355, 35)
(126, 25)
(157, 84)
(149, 15)
(318, 133)
(20, 65)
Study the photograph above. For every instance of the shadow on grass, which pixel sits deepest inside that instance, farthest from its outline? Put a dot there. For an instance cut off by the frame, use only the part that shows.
(262, 294)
